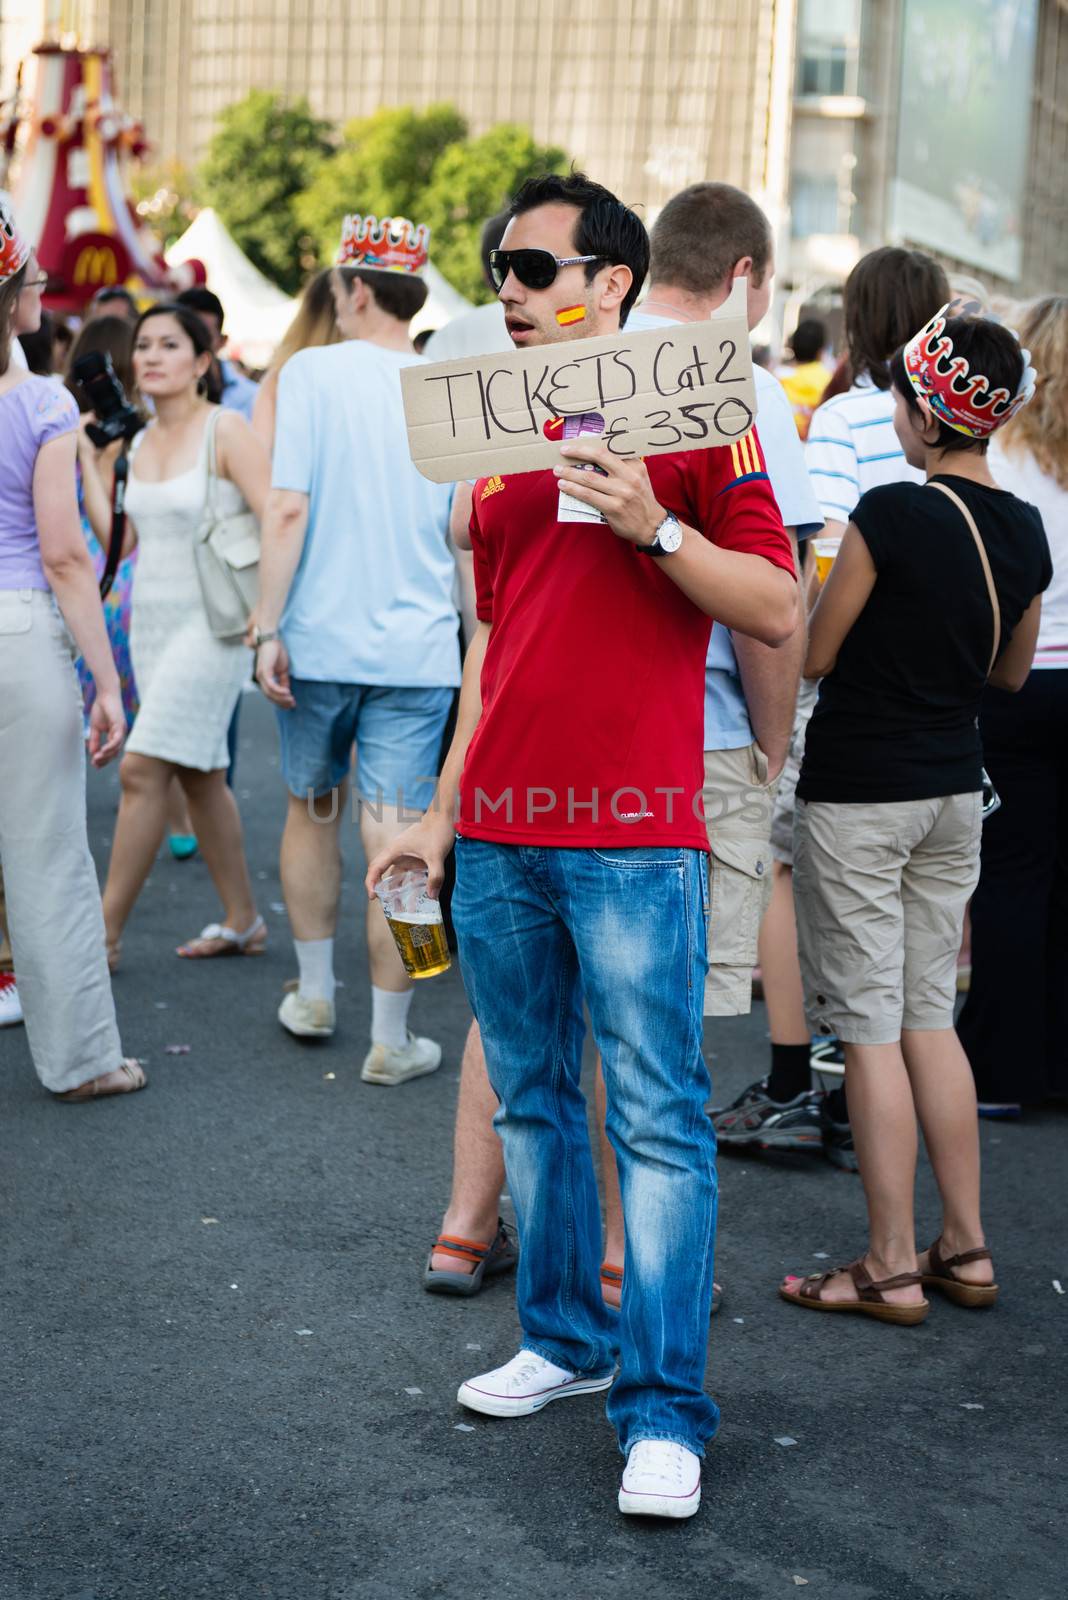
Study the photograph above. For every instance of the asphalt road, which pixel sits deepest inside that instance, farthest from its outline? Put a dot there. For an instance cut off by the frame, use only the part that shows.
(223, 1379)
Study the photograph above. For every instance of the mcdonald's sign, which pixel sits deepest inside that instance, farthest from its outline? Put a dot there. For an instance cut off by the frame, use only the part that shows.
(93, 261)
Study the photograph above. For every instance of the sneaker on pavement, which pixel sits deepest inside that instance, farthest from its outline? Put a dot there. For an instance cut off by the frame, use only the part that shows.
(308, 1019)
(838, 1142)
(386, 1064)
(754, 1118)
(661, 1479)
(10, 1004)
(525, 1384)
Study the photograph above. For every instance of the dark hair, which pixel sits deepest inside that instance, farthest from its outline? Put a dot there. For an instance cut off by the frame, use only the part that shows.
(115, 291)
(492, 234)
(606, 228)
(889, 294)
(112, 336)
(201, 299)
(197, 334)
(808, 339)
(422, 338)
(398, 294)
(988, 348)
(10, 289)
(702, 232)
(37, 347)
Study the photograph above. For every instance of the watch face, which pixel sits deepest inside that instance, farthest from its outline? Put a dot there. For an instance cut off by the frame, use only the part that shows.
(669, 535)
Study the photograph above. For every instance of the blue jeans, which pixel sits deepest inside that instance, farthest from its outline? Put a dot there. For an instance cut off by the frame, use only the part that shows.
(538, 930)
(397, 733)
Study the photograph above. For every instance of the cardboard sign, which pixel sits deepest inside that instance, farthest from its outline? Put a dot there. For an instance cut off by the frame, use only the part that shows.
(685, 386)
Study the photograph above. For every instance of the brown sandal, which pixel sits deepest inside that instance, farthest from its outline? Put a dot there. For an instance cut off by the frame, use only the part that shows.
(127, 1078)
(940, 1276)
(869, 1301)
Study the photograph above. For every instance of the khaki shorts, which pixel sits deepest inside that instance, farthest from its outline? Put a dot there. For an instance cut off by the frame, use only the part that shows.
(782, 819)
(880, 892)
(737, 800)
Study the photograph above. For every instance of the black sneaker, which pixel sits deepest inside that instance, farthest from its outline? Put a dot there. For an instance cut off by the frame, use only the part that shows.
(827, 1055)
(838, 1142)
(755, 1119)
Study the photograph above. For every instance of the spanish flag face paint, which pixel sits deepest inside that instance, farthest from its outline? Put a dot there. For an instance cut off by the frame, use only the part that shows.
(570, 315)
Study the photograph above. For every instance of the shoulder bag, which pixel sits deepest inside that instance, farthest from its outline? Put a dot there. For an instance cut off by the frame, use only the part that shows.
(991, 798)
(226, 549)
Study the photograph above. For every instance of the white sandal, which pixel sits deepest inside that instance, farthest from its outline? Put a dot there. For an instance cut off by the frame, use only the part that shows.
(250, 943)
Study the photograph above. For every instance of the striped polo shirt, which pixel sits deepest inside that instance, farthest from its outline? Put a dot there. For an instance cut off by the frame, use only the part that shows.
(852, 447)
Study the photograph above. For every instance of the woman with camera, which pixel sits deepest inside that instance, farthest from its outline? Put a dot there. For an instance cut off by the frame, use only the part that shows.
(47, 585)
(188, 680)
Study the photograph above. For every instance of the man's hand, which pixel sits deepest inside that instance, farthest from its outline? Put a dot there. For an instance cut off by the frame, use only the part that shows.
(107, 727)
(272, 673)
(623, 495)
(425, 844)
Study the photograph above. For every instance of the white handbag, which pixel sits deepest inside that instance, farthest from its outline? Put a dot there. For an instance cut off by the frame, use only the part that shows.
(226, 549)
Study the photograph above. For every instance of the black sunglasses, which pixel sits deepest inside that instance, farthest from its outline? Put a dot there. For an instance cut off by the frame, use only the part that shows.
(535, 269)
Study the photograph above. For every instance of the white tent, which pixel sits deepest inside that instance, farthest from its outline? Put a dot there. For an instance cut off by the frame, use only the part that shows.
(442, 303)
(257, 313)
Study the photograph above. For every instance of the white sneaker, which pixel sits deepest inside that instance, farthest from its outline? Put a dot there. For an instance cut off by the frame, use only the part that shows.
(661, 1479)
(308, 1019)
(384, 1063)
(10, 1004)
(523, 1385)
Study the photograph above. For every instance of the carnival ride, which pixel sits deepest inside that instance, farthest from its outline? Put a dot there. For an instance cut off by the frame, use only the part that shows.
(65, 146)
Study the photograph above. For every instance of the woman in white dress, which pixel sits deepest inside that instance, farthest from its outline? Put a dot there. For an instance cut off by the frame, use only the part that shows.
(188, 680)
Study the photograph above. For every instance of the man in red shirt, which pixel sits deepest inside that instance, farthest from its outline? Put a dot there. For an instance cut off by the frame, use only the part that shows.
(581, 873)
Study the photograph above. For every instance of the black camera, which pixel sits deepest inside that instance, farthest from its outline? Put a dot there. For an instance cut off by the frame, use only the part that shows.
(116, 418)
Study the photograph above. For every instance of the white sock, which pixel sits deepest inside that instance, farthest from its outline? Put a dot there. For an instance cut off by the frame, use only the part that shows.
(315, 958)
(389, 1017)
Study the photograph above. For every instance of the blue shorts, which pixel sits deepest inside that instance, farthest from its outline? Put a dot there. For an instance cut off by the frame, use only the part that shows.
(397, 733)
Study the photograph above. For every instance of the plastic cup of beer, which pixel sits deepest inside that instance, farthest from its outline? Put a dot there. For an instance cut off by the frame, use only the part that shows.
(825, 551)
(415, 922)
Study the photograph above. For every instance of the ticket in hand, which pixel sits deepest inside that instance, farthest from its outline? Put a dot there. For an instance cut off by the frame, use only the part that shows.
(572, 510)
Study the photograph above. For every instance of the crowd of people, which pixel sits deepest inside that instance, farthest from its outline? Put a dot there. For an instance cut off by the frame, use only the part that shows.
(832, 632)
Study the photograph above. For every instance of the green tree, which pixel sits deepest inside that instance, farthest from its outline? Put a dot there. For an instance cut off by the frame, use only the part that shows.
(166, 199)
(472, 180)
(382, 166)
(264, 154)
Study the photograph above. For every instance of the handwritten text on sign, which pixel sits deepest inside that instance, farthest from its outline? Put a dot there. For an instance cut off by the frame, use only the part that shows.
(685, 386)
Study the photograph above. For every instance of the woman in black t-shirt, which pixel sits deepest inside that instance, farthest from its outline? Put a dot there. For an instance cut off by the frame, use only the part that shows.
(936, 590)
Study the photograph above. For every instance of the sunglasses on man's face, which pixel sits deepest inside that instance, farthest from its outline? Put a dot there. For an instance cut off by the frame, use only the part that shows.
(535, 269)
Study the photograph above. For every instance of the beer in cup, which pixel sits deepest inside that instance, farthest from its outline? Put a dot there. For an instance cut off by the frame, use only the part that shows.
(415, 922)
(825, 551)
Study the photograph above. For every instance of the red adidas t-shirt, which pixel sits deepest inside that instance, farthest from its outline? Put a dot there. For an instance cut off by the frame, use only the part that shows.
(592, 726)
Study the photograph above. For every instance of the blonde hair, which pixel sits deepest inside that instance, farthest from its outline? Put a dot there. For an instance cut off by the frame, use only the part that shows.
(314, 324)
(1041, 428)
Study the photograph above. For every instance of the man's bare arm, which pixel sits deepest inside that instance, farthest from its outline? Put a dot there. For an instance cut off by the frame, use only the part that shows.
(770, 679)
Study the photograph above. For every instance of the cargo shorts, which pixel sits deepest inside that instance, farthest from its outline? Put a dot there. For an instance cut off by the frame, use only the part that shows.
(738, 801)
(880, 892)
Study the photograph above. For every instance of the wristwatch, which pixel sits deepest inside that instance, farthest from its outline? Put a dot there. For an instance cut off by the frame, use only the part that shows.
(666, 540)
(259, 637)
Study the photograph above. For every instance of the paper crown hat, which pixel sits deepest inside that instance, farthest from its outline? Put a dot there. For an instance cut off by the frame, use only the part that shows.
(14, 250)
(959, 397)
(392, 245)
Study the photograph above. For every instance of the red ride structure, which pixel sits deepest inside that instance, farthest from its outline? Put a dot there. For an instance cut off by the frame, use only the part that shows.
(66, 143)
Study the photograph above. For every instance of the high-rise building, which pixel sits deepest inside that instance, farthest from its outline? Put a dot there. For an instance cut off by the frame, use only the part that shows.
(648, 94)
(941, 124)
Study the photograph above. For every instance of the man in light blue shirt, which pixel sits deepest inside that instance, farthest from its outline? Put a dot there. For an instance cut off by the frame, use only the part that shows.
(356, 631)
